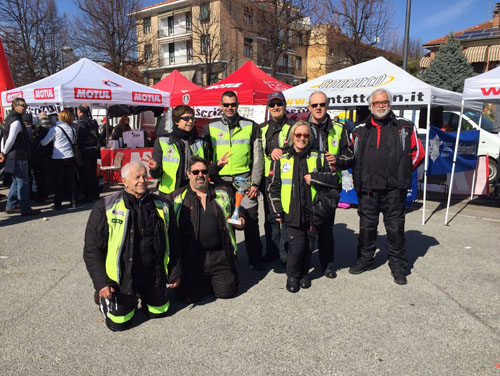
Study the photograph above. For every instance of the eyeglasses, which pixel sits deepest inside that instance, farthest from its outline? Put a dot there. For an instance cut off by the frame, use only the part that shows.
(314, 105)
(197, 172)
(305, 136)
(381, 103)
(234, 104)
(274, 104)
(187, 118)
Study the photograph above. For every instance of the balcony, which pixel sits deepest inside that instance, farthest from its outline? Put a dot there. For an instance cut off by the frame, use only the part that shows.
(174, 33)
(166, 61)
(285, 69)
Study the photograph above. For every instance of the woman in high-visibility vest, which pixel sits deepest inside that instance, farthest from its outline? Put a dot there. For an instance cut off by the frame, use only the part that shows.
(293, 183)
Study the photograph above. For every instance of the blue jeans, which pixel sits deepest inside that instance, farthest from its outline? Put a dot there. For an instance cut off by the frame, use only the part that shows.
(19, 190)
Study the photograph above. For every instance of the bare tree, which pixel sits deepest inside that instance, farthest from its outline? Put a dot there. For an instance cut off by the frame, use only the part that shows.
(280, 26)
(33, 35)
(106, 33)
(357, 27)
(210, 44)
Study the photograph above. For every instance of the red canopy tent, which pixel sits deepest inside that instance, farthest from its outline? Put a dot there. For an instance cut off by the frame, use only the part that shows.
(177, 85)
(6, 81)
(251, 84)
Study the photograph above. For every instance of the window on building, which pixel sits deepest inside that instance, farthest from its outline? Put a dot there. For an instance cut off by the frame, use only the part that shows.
(189, 50)
(248, 15)
(205, 43)
(171, 53)
(189, 21)
(248, 47)
(148, 52)
(205, 12)
(300, 41)
(298, 62)
(170, 25)
(146, 27)
(330, 51)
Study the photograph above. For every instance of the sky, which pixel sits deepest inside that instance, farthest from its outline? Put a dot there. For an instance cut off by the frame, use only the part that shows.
(430, 19)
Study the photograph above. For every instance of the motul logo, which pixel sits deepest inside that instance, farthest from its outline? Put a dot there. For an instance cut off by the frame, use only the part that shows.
(146, 97)
(14, 95)
(490, 90)
(225, 86)
(101, 94)
(44, 94)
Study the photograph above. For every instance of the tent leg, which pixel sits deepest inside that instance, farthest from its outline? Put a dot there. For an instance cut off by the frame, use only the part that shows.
(454, 162)
(426, 162)
(474, 176)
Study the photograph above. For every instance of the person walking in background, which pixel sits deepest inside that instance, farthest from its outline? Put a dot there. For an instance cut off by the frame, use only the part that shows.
(293, 185)
(386, 151)
(40, 158)
(238, 139)
(16, 149)
(63, 163)
(123, 126)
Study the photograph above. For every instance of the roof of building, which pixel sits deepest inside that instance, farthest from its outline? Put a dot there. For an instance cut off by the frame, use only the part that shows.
(156, 5)
(481, 28)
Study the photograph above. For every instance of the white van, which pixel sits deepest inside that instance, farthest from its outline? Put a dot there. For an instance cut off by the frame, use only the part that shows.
(489, 135)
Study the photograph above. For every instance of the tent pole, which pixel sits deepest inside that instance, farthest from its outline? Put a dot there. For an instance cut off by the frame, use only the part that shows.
(454, 161)
(426, 162)
(107, 124)
(474, 176)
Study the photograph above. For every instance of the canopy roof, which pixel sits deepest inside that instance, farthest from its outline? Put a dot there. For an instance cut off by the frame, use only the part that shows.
(251, 84)
(350, 87)
(87, 82)
(484, 87)
(177, 85)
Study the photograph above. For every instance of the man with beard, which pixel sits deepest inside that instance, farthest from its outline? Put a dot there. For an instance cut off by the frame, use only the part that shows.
(386, 151)
(238, 139)
(209, 242)
(332, 139)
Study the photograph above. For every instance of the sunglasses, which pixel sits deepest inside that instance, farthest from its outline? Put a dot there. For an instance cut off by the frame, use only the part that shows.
(314, 105)
(305, 136)
(234, 104)
(274, 104)
(23, 105)
(187, 118)
(197, 172)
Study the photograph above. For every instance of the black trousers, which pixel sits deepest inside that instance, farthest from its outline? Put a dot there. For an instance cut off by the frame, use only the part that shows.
(391, 203)
(300, 248)
(207, 269)
(88, 180)
(120, 309)
(42, 178)
(276, 235)
(64, 173)
(326, 245)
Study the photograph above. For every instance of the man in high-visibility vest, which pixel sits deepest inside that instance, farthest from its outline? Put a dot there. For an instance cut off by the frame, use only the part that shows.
(240, 137)
(209, 241)
(131, 247)
(332, 139)
(274, 135)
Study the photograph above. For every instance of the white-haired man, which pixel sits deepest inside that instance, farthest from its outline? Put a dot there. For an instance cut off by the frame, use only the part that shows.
(386, 151)
(131, 247)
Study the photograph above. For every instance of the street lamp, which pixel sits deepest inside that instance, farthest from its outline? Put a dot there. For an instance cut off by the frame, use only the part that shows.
(65, 50)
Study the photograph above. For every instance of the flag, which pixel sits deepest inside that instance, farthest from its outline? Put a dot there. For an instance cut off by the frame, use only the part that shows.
(6, 81)
(441, 149)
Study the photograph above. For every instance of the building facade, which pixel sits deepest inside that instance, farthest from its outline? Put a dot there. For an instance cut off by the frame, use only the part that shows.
(208, 40)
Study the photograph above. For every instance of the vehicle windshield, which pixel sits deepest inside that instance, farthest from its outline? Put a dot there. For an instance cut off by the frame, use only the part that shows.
(486, 123)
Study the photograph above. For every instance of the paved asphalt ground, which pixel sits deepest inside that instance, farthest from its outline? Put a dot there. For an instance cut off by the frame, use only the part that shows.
(446, 321)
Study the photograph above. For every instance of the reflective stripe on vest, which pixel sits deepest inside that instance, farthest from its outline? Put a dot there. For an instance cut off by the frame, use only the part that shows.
(334, 143)
(282, 138)
(286, 168)
(178, 200)
(238, 144)
(170, 162)
(117, 216)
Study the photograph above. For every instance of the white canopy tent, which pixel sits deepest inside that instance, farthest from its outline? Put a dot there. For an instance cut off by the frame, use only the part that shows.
(87, 82)
(350, 87)
(482, 88)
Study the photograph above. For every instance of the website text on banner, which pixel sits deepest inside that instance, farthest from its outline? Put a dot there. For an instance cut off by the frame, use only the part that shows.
(442, 146)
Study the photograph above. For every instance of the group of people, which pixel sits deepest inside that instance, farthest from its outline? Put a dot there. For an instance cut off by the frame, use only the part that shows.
(138, 243)
(43, 158)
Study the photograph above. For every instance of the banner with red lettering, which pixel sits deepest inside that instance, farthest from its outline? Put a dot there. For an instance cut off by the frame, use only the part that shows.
(87, 82)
